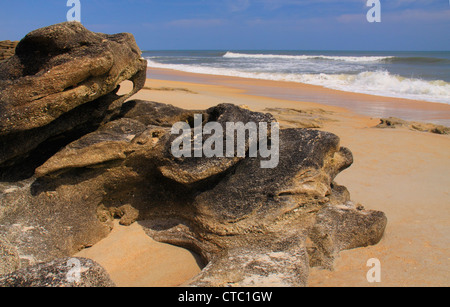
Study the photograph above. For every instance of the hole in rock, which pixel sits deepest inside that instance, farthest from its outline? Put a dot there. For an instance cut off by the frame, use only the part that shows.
(125, 88)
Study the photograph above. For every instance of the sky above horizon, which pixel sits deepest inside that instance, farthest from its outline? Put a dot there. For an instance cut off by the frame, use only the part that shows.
(247, 24)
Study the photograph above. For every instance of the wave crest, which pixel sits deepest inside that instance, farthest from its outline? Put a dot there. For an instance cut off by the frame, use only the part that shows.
(380, 83)
(354, 59)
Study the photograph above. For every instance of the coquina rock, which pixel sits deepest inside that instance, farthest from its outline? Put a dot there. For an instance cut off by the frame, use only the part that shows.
(65, 272)
(7, 49)
(9, 258)
(103, 157)
(62, 83)
(252, 226)
(393, 122)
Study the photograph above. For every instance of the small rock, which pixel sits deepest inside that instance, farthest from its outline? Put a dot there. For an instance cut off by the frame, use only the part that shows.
(64, 272)
(127, 214)
(393, 122)
(7, 49)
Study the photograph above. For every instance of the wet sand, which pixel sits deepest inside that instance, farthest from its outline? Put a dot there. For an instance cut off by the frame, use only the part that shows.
(369, 105)
(401, 172)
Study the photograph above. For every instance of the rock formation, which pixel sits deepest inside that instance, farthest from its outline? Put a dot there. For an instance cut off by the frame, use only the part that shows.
(7, 49)
(61, 84)
(292, 118)
(60, 273)
(9, 258)
(393, 122)
(252, 226)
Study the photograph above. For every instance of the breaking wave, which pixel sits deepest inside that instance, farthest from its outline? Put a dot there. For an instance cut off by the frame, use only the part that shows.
(381, 83)
(353, 59)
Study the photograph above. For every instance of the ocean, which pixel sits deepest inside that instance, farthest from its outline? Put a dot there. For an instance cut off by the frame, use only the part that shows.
(413, 75)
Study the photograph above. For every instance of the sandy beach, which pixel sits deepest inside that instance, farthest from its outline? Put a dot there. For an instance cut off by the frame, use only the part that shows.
(401, 172)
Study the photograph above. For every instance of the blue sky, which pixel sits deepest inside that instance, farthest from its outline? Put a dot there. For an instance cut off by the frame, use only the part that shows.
(247, 24)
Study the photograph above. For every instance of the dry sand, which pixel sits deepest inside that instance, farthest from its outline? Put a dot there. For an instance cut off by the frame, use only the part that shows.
(401, 172)
(133, 259)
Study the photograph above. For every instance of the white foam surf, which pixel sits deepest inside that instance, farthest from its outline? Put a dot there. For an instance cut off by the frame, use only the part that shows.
(380, 83)
(353, 59)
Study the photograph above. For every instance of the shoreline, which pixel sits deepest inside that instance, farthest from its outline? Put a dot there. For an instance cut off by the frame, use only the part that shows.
(363, 104)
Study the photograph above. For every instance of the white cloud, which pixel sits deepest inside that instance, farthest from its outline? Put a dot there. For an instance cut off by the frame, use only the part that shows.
(238, 5)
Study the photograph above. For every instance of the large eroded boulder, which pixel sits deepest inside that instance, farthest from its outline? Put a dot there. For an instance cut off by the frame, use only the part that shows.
(61, 83)
(253, 226)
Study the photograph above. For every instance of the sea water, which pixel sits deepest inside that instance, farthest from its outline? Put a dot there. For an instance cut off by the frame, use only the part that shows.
(411, 75)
